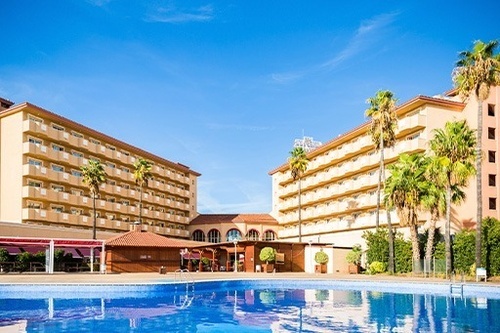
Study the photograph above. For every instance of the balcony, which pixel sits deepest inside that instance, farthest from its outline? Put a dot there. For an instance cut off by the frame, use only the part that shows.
(411, 124)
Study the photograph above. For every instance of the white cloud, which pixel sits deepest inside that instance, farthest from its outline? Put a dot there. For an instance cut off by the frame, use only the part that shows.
(171, 14)
(367, 34)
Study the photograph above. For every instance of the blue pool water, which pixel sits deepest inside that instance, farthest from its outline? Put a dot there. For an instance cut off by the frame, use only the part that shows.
(250, 306)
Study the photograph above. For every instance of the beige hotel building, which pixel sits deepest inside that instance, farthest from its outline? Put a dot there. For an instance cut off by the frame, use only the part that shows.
(41, 182)
(339, 188)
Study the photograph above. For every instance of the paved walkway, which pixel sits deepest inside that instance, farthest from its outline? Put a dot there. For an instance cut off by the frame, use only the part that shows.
(93, 278)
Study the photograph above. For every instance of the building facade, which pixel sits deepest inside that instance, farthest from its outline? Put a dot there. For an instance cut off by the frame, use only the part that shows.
(338, 201)
(41, 182)
(216, 228)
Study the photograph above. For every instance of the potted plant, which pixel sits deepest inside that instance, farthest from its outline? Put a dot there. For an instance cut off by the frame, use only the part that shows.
(354, 259)
(204, 262)
(266, 255)
(321, 259)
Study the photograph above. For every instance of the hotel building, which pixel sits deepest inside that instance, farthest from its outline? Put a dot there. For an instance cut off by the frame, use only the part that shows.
(338, 201)
(41, 182)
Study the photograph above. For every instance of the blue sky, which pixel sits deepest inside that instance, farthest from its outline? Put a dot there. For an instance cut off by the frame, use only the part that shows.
(226, 86)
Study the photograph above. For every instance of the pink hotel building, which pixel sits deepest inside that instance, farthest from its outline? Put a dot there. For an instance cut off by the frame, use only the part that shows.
(339, 188)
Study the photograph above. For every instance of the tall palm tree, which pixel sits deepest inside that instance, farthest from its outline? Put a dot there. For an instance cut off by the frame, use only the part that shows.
(382, 112)
(298, 163)
(404, 190)
(142, 173)
(475, 72)
(454, 148)
(93, 175)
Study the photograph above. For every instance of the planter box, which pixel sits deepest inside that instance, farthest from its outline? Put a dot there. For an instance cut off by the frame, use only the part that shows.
(320, 269)
(267, 268)
(354, 269)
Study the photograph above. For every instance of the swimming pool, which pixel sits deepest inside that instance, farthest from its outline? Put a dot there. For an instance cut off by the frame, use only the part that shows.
(250, 306)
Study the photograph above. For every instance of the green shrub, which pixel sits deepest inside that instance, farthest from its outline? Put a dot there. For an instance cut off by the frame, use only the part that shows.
(23, 261)
(267, 254)
(205, 260)
(377, 267)
(377, 245)
(464, 247)
(402, 254)
(321, 257)
(354, 256)
(4, 255)
(490, 235)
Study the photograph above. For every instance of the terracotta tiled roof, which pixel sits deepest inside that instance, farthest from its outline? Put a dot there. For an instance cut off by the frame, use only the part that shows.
(149, 239)
(233, 218)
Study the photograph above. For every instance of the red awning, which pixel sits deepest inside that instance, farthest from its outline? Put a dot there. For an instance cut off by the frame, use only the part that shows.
(192, 255)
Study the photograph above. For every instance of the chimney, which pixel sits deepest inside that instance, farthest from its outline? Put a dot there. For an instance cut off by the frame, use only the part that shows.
(136, 226)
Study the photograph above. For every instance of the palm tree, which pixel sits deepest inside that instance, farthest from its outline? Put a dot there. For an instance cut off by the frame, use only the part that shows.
(298, 162)
(382, 112)
(142, 173)
(434, 201)
(475, 72)
(93, 175)
(454, 151)
(404, 190)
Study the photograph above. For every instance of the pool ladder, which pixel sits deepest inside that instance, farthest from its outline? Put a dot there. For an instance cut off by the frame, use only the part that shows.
(183, 275)
(457, 289)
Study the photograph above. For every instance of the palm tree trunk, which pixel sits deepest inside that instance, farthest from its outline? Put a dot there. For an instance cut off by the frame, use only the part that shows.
(381, 181)
(94, 236)
(140, 205)
(479, 184)
(430, 242)
(447, 238)
(414, 244)
(300, 209)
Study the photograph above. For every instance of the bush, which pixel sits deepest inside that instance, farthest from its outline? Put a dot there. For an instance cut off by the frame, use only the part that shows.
(377, 267)
(402, 254)
(205, 260)
(267, 254)
(377, 244)
(464, 245)
(354, 256)
(23, 259)
(4, 255)
(490, 235)
(321, 257)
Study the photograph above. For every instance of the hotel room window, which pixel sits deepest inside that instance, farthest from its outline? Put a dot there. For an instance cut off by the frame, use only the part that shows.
(491, 110)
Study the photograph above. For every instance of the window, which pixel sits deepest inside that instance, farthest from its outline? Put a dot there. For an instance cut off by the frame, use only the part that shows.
(125, 170)
(76, 134)
(252, 235)
(35, 141)
(34, 205)
(493, 203)
(94, 141)
(491, 133)
(111, 165)
(233, 234)
(76, 211)
(214, 236)
(198, 236)
(58, 209)
(492, 180)
(269, 236)
(76, 173)
(93, 158)
(77, 154)
(57, 127)
(34, 162)
(34, 183)
(35, 119)
(110, 147)
(58, 188)
(57, 148)
(57, 168)
(491, 156)
(491, 110)
(125, 153)
(76, 192)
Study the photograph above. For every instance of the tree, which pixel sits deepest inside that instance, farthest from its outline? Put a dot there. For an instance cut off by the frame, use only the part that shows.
(93, 175)
(434, 201)
(475, 72)
(404, 190)
(454, 153)
(382, 112)
(298, 162)
(142, 173)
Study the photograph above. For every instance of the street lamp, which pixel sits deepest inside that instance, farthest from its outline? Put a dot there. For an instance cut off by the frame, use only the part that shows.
(235, 242)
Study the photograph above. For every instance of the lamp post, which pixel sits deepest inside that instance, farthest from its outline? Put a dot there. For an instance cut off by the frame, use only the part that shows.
(235, 242)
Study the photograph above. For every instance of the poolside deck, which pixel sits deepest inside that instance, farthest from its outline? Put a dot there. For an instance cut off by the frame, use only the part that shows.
(93, 278)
